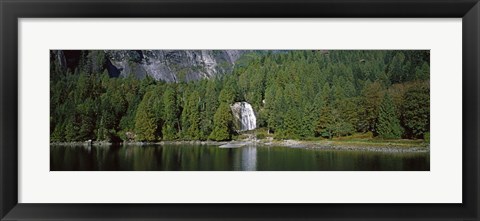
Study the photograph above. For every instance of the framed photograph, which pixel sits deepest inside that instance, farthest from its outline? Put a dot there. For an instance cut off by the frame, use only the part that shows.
(172, 110)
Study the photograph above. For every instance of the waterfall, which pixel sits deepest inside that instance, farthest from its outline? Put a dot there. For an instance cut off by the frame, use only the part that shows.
(243, 113)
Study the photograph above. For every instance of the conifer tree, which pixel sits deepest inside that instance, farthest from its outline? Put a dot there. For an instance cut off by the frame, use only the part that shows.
(209, 108)
(145, 124)
(397, 70)
(326, 122)
(71, 131)
(171, 121)
(416, 111)
(223, 122)
(191, 117)
(370, 102)
(388, 125)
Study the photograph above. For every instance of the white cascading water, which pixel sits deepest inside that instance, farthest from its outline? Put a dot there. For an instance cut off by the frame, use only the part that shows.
(243, 111)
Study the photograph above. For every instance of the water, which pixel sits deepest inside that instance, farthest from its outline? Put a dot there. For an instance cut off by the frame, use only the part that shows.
(212, 158)
(244, 113)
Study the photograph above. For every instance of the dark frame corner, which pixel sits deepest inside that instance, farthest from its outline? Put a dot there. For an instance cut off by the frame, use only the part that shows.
(11, 10)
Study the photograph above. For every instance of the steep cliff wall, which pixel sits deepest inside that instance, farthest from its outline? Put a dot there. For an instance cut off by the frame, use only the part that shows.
(165, 65)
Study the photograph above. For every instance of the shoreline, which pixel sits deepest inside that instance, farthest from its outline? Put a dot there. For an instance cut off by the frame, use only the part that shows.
(341, 145)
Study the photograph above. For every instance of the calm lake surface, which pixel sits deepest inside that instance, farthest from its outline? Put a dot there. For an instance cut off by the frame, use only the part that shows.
(212, 158)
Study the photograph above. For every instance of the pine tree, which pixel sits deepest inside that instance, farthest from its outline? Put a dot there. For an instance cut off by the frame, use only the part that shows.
(71, 130)
(210, 106)
(416, 111)
(423, 72)
(308, 121)
(58, 133)
(293, 123)
(223, 122)
(191, 117)
(270, 110)
(326, 122)
(388, 125)
(171, 121)
(145, 124)
(370, 103)
(398, 72)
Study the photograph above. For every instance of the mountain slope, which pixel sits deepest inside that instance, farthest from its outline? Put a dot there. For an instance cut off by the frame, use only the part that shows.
(163, 65)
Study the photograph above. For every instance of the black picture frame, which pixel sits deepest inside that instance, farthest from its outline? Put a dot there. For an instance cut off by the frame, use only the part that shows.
(12, 10)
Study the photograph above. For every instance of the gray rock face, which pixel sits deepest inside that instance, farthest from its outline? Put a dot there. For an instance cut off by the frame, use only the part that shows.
(171, 65)
(58, 59)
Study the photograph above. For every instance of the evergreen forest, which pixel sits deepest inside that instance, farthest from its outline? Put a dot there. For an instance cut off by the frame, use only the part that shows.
(296, 94)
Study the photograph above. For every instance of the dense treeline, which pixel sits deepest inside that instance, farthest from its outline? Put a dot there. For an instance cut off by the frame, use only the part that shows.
(296, 95)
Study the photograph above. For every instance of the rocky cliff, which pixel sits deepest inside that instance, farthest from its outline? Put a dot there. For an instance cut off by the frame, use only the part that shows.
(165, 65)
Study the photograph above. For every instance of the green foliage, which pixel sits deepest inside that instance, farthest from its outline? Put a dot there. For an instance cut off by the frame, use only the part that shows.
(223, 123)
(370, 103)
(71, 131)
(229, 93)
(388, 125)
(58, 134)
(191, 117)
(208, 106)
(416, 110)
(423, 72)
(261, 136)
(326, 122)
(426, 137)
(295, 94)
(86, 115)
(397, 70)
(170, 114)
(145, 123)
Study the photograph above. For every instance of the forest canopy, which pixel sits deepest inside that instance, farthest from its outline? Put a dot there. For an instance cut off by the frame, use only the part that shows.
(298, 94)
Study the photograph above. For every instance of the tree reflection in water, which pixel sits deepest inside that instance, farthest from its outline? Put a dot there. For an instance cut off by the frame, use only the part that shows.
(212, 158)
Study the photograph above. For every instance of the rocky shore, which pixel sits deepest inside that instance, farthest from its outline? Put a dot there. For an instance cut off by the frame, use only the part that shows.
(358, 146)
(324, 144)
